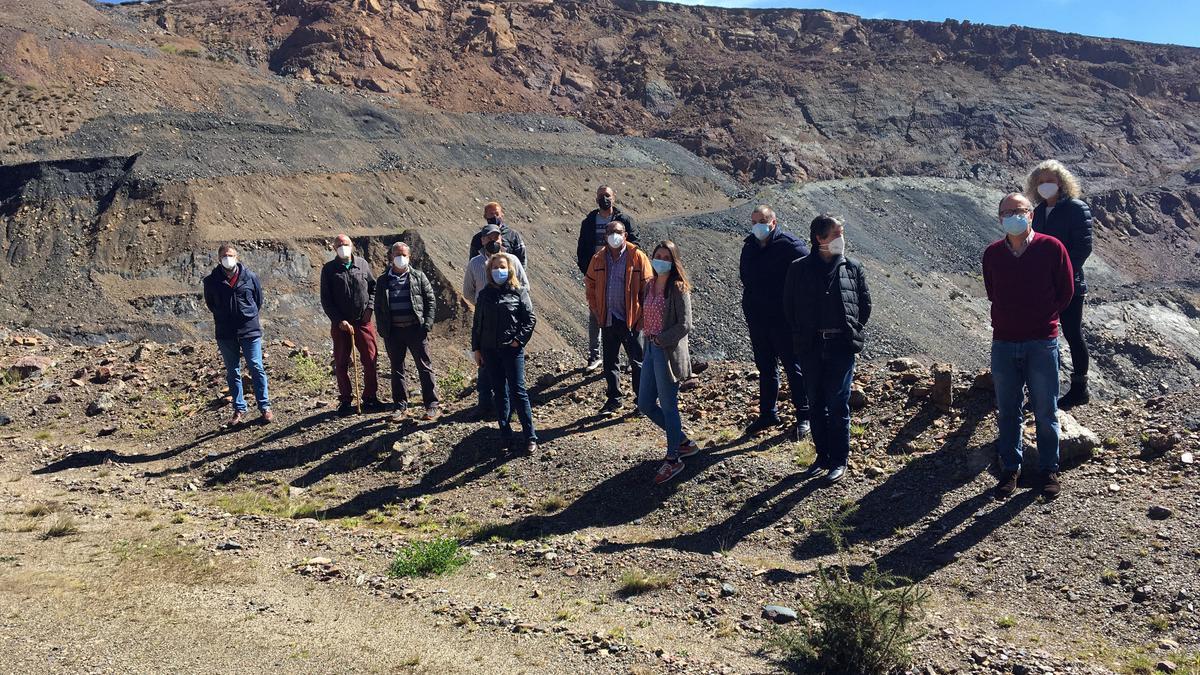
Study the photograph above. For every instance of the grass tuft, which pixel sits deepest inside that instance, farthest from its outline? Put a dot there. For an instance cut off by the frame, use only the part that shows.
(453, 384)
(62, 526)
(309, 374)
(636, 581)
(428, 558)
(551, 503)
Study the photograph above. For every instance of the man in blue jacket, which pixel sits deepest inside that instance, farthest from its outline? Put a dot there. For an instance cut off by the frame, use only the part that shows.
(234, 296)
(767, 253)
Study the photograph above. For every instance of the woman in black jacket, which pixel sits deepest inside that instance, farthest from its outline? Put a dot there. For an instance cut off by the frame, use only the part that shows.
(1062, 215)
(827, 305)
(504, 322)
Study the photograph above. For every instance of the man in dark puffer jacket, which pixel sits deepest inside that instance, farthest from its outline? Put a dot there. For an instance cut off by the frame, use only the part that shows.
(828, 305)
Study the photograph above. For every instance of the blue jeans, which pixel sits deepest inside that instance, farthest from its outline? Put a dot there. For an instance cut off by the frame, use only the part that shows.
(828, 375)
(506, 370)
(1015, 365)
(232, 352)
(658, 397)
(772, 346)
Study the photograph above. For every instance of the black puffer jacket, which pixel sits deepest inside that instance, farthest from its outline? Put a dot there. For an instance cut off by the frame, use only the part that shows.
(502, 314)
(806, 285)
(1071, 223)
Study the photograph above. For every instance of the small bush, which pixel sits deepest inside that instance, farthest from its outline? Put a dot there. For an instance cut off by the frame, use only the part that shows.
(551, 503)
(38, 510)
(309, 374)
(454, 383)
(862, 626)
(61, 527)
(804, 453)
(1110, 577)
(1006, 622)
(428, 558)
(637, 581)
(1160, 623)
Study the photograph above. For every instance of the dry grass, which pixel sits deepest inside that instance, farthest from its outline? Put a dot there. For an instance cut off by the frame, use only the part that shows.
(168, 560)
(63, 526)
(636, 581)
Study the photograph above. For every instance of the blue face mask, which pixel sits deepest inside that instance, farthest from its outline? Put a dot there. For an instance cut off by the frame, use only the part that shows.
(760, 231)
(1015, 224)
(499, 276)
(661, 266)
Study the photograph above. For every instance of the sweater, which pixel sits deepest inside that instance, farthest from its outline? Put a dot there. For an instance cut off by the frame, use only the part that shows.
(1029, 291)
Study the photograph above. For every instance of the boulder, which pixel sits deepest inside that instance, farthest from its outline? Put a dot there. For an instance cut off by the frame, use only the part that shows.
(1076, 443)
(858, 398)
(27, 367)
(779, 613)
(407, 451)
(103, 403)
(902, 364)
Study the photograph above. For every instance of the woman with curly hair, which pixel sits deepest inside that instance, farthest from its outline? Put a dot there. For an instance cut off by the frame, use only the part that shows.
(1061, 214)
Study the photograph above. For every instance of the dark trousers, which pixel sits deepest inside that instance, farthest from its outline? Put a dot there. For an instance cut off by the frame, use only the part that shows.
(343, 351)
(612, 338)
(772, 346)
(506, 370)
(399, 343)
(829, 373)
(1071, 320)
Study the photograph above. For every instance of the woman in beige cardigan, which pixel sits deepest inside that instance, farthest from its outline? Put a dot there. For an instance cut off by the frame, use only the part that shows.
(665, 324)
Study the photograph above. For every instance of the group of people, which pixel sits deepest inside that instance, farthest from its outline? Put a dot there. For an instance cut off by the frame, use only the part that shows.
(806, 306)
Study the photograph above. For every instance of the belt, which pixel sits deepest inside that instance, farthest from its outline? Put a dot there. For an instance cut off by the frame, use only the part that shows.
(829, 333)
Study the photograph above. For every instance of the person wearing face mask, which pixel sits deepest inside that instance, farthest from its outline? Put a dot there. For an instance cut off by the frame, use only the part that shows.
(827, 305)
(767, 253)
(347, 296)
(592, 232)
(1061, 214)
(234, 296)
(475, 279)
(514, 244)
(665, 324)
(404, 311)
(614, 285)
(502, 326)
(1029, 281)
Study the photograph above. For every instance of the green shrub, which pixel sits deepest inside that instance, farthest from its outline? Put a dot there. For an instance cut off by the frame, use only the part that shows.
(861, 626)
(454, 383)
(308, 373)
(428, 558)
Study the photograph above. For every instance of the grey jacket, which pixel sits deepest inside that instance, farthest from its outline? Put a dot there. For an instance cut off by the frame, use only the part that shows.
(677, 323)
(423, 302)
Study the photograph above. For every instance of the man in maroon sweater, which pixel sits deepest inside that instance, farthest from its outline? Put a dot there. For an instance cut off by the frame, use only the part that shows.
(1029, 280)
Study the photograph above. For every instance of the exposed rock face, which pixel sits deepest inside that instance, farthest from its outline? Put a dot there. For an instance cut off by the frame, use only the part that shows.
(766, 95)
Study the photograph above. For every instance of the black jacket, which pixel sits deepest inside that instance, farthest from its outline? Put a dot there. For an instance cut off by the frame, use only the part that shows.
(420, 292)
(502, 314)
(513, 243)
(347, 294)
(234, 309)
(587, 236)
(806, 284)
(763, 271)
(1071, 223)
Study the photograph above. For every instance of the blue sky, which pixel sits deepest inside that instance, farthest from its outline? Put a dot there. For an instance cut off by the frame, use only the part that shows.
(1175, 22)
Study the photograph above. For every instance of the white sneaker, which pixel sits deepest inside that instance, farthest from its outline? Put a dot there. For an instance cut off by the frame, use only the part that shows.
(593, 365)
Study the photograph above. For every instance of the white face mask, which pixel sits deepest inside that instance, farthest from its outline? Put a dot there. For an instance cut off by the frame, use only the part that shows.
(344, 252)
(1047, 190)
(229, 262)
(401, 262)
(615, 240)
(837, 246)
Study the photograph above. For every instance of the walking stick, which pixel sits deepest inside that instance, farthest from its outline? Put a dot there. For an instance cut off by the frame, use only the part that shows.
(354, 375)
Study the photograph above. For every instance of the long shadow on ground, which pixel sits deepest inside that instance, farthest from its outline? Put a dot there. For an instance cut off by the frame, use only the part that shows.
(86, 458)
(918, 489)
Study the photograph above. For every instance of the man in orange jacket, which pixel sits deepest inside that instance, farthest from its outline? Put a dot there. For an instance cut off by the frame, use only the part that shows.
(615, 279)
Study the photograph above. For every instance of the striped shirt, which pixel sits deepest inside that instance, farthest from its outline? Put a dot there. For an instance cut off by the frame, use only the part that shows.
(614, 291)
(601, 230)
(400, 298)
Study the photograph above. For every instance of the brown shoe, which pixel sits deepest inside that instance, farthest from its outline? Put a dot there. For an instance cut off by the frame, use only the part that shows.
(1007, 485)
(234, 421)
(1050, 486)
(432, 411)
(267, 416)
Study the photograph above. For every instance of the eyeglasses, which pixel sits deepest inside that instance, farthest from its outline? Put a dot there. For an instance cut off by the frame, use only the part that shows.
(1012, 212)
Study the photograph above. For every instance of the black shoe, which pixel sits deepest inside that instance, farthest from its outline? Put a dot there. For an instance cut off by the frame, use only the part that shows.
(1076, 395)
(815, 469)
(699, 367)
(345, 410)
(372, 405)
(1007, 484)
(531, 447)
(611, 407)
(1051, 485)
(762, 424)
(835, 474)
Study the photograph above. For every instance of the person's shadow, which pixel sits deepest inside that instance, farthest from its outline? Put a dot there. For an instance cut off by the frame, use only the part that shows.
(918, 489)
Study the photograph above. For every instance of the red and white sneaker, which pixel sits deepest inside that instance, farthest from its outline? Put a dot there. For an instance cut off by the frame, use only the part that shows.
(688, 448)
(667, 471)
